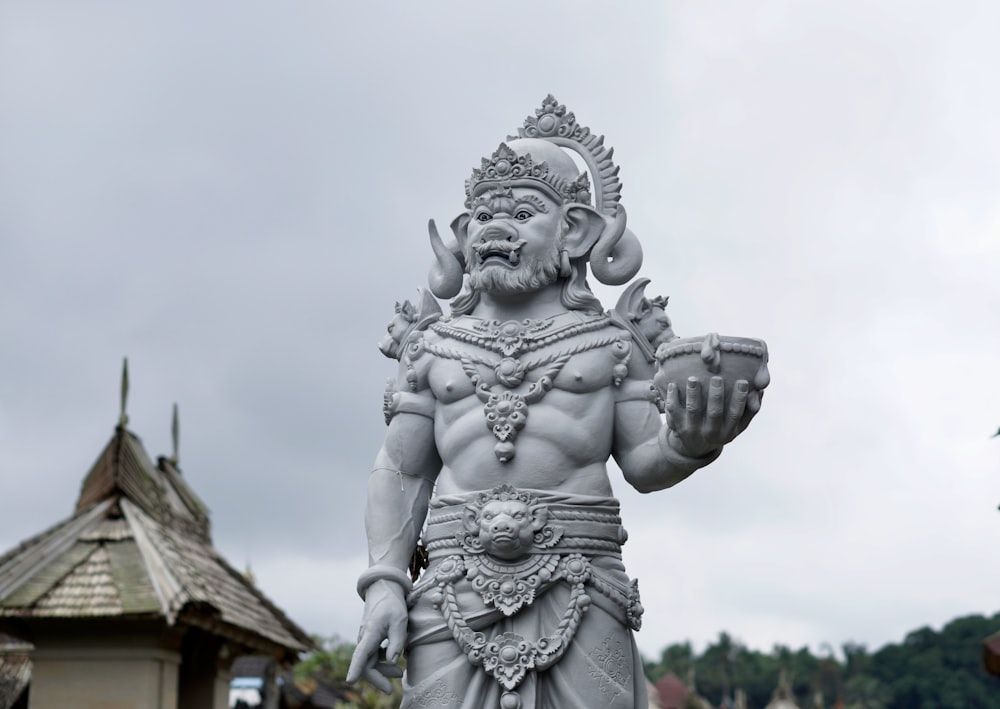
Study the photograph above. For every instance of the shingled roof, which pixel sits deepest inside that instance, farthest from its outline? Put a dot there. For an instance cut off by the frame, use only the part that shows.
(15, 669)
(139, 546)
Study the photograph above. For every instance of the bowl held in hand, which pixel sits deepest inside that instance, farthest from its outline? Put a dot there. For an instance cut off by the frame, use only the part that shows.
(732, 358)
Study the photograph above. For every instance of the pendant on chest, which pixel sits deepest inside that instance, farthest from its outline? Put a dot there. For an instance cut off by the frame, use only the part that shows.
(506, 411)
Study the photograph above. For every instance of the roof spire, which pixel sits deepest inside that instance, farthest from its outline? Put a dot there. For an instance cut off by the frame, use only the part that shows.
(175, 434)
(123, 418)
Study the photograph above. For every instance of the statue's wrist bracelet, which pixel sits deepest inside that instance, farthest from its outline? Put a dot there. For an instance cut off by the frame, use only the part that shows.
(382, 572)
(669, 448)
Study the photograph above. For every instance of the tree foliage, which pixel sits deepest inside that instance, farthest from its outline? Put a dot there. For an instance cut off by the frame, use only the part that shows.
(927, 670)
(329, 665)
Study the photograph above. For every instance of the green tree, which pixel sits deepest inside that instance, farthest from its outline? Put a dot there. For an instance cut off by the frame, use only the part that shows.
(329, 665)
(931, 670)
(677, 658)
(864, 692)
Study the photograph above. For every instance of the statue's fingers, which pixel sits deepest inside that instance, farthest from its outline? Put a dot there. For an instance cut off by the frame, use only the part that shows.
(387, 669)
(739, 401)
(692, 403)
(692, 396)
(397, 639)
(674, 410)
(753, 406)
(364, 656)
(716, 401)
(380, 681)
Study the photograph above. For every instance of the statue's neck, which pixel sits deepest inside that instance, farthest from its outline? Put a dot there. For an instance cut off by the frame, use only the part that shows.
(540, 304)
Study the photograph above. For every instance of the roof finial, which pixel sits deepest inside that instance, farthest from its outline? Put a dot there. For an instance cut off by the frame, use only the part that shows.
(175, 433)
(123, 418)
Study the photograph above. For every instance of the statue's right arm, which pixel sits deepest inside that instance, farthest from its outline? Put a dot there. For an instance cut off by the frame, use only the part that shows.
(399, 489)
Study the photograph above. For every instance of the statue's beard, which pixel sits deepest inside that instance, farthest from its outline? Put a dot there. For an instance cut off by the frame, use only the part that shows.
(527, 277)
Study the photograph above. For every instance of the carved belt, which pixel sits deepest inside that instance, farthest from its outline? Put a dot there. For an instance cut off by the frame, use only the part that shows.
(595, 530)
(511, 544)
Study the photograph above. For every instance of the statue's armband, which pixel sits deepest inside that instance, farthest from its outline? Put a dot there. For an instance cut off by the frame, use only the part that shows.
(414, 396)
(637, 390)
(404, 402)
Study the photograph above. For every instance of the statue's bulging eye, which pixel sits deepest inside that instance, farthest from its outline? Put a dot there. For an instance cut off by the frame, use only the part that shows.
(523, 216)
(483, 217)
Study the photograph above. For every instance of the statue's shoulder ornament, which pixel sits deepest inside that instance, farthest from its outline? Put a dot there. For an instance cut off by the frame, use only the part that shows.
(404, 341)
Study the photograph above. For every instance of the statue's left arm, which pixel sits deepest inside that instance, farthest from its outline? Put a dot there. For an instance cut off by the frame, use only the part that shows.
(654, 454)
(399, 489)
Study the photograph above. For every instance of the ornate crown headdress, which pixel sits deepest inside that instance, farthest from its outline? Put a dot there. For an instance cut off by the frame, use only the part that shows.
(553, 123)
(617, 255)
(505, 168)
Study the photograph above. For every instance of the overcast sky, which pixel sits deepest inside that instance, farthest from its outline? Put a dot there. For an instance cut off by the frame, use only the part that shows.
(234, 194)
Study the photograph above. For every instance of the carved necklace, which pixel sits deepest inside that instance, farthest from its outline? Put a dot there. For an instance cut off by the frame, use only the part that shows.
(512, 337)
(507, 411)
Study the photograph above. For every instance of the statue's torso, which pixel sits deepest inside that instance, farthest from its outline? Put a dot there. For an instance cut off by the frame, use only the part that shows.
(566, 437)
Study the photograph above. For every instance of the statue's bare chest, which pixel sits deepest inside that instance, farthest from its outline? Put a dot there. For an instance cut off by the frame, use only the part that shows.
(510, 367)
(452, 379)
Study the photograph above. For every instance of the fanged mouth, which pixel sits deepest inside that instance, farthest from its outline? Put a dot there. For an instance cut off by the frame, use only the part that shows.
(497, 251)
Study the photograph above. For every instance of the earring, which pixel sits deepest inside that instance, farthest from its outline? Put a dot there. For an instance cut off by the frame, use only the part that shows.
(565, 270)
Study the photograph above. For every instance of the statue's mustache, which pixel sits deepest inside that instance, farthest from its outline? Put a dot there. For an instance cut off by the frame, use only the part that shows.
(504, 248)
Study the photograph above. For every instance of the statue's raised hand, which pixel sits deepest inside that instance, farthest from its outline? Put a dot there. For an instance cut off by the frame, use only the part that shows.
(712, 388)
(384, 622)
(701, 422)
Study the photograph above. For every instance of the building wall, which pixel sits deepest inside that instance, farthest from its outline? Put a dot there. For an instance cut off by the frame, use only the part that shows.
(105, 678)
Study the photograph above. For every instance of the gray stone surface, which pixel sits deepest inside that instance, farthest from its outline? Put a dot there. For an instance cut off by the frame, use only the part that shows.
(501, 421)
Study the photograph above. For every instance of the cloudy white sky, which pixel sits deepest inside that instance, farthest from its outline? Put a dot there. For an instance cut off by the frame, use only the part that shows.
(234, 194)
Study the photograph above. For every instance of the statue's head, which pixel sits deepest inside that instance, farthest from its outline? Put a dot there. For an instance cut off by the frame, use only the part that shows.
(528, 215)
(653, 321)
(646, 316)
(408, 319)
(506, 528)
(529, 221)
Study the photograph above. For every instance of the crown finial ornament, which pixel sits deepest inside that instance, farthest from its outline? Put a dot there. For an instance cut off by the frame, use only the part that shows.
(554, 123)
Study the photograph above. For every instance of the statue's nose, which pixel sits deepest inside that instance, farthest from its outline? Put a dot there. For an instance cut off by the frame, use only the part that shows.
(503, 524)
(499, 232)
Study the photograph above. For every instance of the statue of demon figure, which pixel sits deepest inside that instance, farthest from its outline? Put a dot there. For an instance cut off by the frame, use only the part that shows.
(493, 474)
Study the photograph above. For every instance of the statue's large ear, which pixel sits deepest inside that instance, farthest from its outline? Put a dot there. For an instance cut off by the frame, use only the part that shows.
(470, 519)
(584, 227)
(460, 228)
(539, 517)
(630, 302)
(618, 255)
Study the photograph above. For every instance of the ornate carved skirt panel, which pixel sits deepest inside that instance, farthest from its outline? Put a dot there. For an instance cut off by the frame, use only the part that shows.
(524, 591)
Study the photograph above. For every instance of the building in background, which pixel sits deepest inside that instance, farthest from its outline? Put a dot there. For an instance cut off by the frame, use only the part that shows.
(127, 603)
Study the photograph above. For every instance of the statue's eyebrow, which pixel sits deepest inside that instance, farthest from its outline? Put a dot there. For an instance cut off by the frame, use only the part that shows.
(534, 202)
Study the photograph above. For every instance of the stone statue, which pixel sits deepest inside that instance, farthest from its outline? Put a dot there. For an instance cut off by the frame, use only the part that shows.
(647, 320)
(493, 474)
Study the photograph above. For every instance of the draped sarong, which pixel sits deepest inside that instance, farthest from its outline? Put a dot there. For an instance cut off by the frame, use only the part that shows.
(556, 635)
